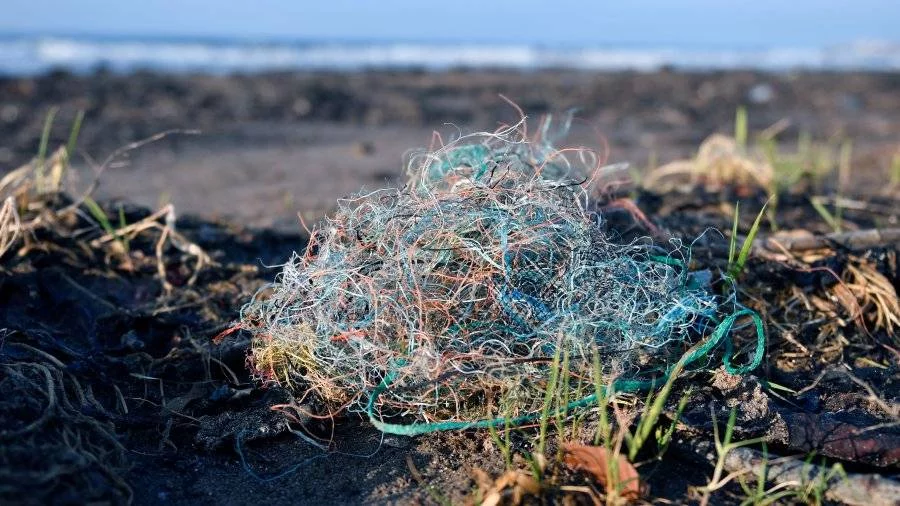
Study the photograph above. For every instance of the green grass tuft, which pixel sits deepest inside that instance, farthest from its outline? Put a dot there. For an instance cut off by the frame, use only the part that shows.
(736, 264)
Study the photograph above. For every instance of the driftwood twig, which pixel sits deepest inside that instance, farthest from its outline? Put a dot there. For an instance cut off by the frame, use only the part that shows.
(847, 488)
(857, 239)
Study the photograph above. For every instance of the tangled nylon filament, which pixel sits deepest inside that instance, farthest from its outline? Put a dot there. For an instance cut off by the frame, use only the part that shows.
(446, 301)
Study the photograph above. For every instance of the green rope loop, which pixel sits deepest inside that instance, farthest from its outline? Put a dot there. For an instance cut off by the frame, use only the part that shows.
(620, 385)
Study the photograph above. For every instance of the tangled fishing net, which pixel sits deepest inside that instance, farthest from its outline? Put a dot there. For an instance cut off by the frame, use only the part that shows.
(451, 302)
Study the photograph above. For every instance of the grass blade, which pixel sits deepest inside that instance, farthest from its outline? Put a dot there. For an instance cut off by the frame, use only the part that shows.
(42, 149)
(732, 244)
(100, 215)
(740, 127)
(738, 266)
(826, 215)
(73, 135)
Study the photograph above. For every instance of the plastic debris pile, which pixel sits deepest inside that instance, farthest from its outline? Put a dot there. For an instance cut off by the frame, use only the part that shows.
(447, 303)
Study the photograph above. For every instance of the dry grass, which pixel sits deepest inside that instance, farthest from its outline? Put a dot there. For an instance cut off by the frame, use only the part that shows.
(874, 293)
(720, 162)
(33, 201)
(9, 225)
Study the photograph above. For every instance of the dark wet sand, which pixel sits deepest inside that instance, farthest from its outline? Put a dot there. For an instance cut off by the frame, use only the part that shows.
(278, 144)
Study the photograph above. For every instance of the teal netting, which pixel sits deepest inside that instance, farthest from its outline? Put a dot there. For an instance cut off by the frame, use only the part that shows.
(443, 304)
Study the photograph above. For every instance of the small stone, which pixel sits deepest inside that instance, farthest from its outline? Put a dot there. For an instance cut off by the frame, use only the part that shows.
(762, 93)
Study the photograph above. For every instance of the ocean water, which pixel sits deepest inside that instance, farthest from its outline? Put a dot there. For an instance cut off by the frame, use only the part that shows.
(35, 54)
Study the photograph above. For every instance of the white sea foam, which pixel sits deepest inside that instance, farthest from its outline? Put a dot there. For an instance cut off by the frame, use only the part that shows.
(28, 55)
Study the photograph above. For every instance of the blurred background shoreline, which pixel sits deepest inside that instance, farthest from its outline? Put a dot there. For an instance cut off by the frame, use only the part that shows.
(23, 54)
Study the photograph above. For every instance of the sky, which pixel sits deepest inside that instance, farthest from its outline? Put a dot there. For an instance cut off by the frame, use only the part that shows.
(689, 23)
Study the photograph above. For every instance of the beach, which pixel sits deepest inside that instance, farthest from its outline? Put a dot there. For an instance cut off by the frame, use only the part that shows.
(271, 145)
(146, 325)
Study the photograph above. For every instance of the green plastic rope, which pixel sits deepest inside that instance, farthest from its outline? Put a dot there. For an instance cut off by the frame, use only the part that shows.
(622, 385)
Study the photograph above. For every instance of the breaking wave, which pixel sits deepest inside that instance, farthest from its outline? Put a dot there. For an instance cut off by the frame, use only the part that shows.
(35, 54)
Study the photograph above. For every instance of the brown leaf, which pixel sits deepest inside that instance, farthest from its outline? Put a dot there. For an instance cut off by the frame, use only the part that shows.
(595, 460)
